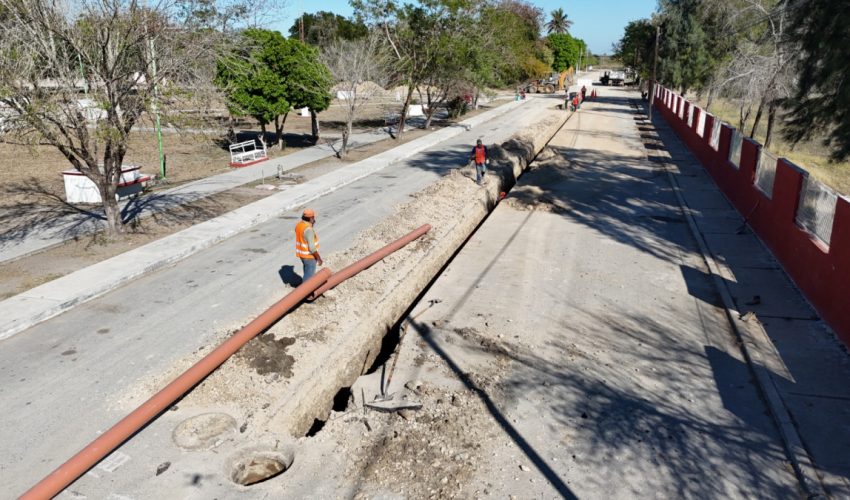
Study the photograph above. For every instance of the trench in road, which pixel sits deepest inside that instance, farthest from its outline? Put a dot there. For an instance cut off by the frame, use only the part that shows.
(392, 337)
(143, 327)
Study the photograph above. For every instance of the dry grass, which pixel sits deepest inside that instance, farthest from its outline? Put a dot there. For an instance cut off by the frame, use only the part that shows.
(810, 155)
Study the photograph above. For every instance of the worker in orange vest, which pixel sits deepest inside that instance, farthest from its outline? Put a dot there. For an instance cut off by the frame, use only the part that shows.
(479, 156)
(307, 243)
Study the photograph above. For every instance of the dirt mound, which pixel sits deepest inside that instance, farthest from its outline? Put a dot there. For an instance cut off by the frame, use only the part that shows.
(542, 184)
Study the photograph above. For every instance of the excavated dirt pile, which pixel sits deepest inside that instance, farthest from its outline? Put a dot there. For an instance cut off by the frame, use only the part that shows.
(548, 174)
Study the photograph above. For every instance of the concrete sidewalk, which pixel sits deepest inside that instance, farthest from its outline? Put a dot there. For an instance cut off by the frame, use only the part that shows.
(48, 300)
(801, 364)
(44, 234)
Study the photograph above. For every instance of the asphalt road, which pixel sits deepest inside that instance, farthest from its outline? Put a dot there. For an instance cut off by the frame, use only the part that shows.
(61, 382)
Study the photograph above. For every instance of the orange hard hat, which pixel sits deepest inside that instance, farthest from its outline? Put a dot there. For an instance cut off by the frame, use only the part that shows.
(309, 212)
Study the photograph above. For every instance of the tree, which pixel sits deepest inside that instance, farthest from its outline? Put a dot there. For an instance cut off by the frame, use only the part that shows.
(225, 16)
(693, 46)
(636, 46)
(50, 61)
(512, 49)
(821, 101)
(267, 76)
(324, 28)
(558, 22)
(416, 35)
(566, 51)
(308, 81)
(253, 81)
(361, 68)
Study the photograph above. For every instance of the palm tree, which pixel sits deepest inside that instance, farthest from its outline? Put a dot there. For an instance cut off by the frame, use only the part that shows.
(559, 22)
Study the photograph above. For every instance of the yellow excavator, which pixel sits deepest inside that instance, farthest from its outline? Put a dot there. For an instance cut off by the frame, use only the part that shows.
(549, 85)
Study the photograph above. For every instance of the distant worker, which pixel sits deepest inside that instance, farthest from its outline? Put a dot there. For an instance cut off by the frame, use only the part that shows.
(583, 92)
(576, 103)
(479, 156)
(307, 243)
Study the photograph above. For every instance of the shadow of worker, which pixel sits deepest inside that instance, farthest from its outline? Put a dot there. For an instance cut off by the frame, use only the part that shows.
(288, 275)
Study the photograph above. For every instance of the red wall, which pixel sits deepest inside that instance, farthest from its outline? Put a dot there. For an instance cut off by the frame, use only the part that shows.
(822, 273)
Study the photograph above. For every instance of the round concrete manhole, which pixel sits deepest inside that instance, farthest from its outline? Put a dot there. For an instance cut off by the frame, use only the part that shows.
(256, 465)
(203, 431)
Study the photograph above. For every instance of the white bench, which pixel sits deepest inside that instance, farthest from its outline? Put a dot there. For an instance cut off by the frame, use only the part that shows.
(247, 153)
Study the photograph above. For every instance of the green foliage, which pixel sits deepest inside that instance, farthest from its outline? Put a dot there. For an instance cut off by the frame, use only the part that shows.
(558, 22)
(515, 51)
(325, 27)
(636, 47)
(268, 75)
(821, 104)
(566, 50)
(693, 43)
(308, 81)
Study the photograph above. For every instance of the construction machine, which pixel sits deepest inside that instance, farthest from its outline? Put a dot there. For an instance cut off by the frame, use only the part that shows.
(549, 85)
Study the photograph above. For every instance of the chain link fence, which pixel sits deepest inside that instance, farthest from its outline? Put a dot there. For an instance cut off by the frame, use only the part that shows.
(735, 148)
(816, 209)
(766, 172)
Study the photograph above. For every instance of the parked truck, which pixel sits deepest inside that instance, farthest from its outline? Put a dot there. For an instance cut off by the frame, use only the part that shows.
(615, 77)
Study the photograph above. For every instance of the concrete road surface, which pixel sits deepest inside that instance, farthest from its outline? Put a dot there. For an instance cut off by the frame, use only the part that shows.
(624, 378)
(63, 381)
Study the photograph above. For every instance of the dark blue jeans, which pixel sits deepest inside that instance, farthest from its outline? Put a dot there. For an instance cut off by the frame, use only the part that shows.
(309, 268)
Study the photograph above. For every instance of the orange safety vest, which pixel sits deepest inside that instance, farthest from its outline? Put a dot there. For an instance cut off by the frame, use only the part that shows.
(302, 249)
(480, 152)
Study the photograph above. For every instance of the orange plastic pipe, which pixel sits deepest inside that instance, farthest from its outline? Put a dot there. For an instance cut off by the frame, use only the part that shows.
(368, 261)
(86, 458)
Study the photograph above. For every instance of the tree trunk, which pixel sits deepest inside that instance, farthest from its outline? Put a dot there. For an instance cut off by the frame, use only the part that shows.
(314, 125)
(771, 119)
(757, 119)
(404, 111)
(346, 133)
(742, 122)
(107, 183)
(231, 129)
(428, 116)
(277, 132)
(710, 99)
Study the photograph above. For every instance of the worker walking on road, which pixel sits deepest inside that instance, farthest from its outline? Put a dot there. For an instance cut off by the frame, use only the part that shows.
(307, 243)
(479, 156)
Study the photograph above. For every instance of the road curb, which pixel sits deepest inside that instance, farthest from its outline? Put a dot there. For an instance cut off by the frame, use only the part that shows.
(46, 301)
(755, 346)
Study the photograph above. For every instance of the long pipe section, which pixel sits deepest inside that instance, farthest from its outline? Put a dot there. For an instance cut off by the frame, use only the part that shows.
(368, 261)
(85, 459)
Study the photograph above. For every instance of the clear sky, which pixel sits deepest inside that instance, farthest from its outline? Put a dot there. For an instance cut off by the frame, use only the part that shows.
(600, 23)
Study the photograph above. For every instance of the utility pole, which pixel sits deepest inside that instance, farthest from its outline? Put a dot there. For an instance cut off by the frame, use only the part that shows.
(654, 70)
(154, 101)
(155, 106)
